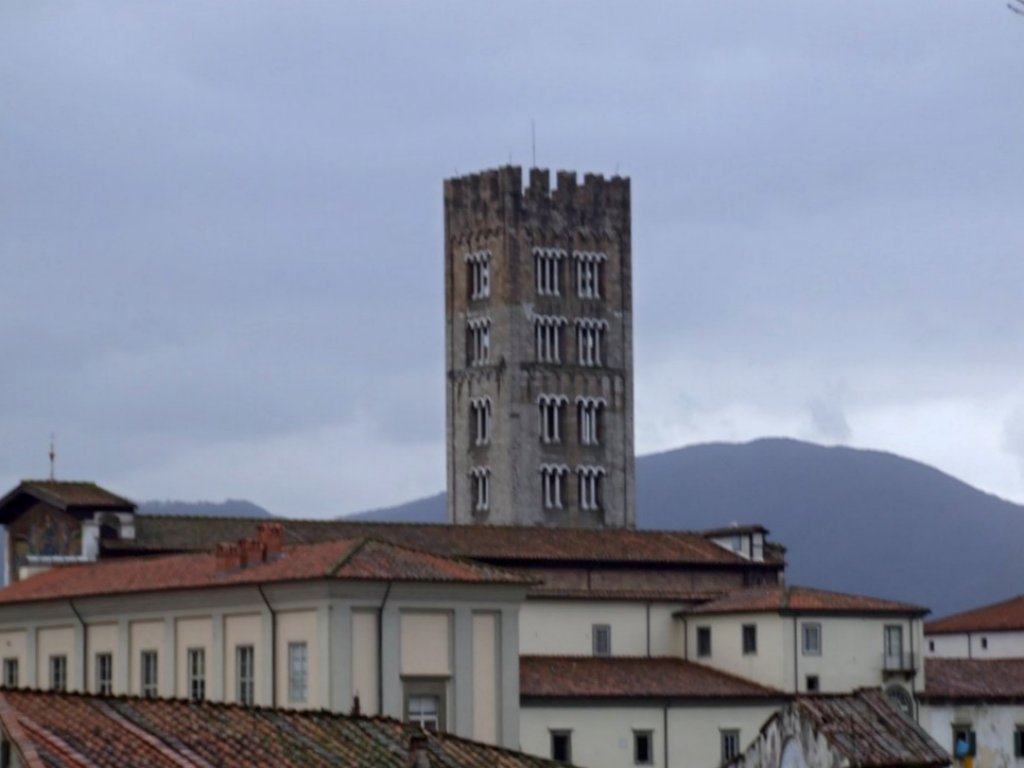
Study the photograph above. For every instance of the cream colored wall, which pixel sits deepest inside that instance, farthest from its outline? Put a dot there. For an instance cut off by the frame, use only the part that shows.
(14, 645)
(102, 638)
(55, 641)
(564, 627)
(365, 654)
(191, 633)
(426, 643)
(294, 627)
(1000, 645)
(772, 664)
(993, 727)
(852, 650)
(485, 677)
(602, 736)
(246, 629)
(144, 636)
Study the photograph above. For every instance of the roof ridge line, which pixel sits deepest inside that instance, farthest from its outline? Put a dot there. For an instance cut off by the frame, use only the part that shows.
(358, 547)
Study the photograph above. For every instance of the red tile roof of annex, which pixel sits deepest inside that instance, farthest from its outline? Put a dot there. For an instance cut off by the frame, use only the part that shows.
(494, 543)
(343, 559)
(1007, 615)
(63, 730)
(973, 679)
(563, 677)
(778, 598)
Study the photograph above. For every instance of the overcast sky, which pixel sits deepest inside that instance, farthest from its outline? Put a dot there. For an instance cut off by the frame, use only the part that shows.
(221, 228)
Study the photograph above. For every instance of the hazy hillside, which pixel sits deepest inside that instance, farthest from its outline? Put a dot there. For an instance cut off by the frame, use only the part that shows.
(854, 520)
(229, 508)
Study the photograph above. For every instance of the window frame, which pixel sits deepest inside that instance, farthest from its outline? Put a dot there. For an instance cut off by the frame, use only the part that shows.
(730, 742)
(195, 666)
(972, 739)
(480, 488)
(703, 642)
(11, 665)
(643, 736)
(1018, 741)
(298, 672)
(601, 639)
(426, 688)
(563, 736)
(552, 478)
(245, 675)
(812, 688)
(749, 639)
(149, 673)
(104, 669)
(58, 666)
(810, 629)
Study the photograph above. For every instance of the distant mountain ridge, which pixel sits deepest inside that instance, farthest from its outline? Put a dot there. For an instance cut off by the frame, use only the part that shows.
(228, 508)
(852, 520)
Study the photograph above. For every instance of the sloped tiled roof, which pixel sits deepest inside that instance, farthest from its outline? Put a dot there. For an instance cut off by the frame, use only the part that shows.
(1007, 615)
(868, 730)
(654, 594)
(790, 599)
(53, 730)
(486, 542)
(359, 559)
(974, 679)
(631, 677)
(64, 494)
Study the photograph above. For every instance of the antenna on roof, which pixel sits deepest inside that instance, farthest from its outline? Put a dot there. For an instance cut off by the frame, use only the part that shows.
(53, 456)
(533, 141)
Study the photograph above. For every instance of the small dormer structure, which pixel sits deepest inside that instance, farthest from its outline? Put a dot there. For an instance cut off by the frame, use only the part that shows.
(747, 541)
(55, 522)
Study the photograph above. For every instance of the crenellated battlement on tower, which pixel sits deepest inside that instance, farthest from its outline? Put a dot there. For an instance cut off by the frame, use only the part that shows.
(496, 198)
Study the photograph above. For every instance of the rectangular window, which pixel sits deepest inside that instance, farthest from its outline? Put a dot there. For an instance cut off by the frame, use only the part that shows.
(588, 412)
(552, 480)
(425, 703)
(245, 675)
(931, 645)
(298, 673)
(547, 339)
(964, 741)
(480, 487)
(148, 662)
(643, 748)
(561, 746)
(588, 274)
(984, 643)
(59, 673)
(479, 340)
(730, 744)
(479, 274)
(811, 633)
(104, 674)
(547, 264)
(590, 490)
(601, 635)
(197, 674)
(1018, 741)
(894, 647)
(813, 685)
(10, 673)
(749, 639)
(590, 341)
(703, 641)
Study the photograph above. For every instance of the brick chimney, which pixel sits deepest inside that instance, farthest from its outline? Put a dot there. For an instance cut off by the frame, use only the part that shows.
(228, 557)
(272, 537)
(251, 552)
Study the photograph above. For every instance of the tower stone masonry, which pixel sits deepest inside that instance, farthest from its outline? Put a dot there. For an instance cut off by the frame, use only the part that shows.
(539, 350)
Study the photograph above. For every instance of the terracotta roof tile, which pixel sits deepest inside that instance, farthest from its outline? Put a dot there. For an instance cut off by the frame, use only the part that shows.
(626, 676)
(75, 731)
(1005, 616)
(65, 494)
(867, 729)
(342, 559)
(791, 599)
(974, 679)
(663, 595)
(488, 542)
